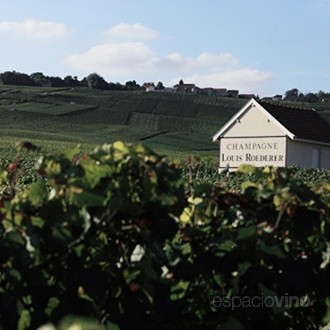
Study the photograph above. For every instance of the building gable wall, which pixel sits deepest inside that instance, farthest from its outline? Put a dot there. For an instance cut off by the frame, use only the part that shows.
(254, 122)
(263, 135)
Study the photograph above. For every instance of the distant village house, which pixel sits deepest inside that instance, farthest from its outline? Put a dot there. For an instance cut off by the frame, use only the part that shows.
(186, 88)
(191, 88)
(149, 86)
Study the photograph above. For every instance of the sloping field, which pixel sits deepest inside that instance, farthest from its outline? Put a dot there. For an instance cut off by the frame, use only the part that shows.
(173, 124)
(53, 109)
(121, 110)
(167, 122)
(183, 145)
(38, 135)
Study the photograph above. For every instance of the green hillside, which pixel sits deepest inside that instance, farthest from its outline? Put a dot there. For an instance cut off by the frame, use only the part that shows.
(174, 124)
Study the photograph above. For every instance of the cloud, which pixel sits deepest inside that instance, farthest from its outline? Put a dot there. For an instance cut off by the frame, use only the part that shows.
(114, 59)
(208, 61)
(130, 32)
(35, 29)
(244, 79)
(122, 60)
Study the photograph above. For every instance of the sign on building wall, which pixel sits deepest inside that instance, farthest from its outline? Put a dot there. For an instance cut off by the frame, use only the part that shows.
(255, 151)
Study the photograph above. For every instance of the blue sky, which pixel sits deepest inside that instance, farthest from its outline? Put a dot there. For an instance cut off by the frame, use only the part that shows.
(256, 46)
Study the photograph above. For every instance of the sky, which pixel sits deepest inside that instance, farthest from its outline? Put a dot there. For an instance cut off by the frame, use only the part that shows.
(255, 46)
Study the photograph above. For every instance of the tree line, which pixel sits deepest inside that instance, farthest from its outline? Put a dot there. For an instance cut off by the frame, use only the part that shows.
(297, 96)
(92, 81)
(95, 81)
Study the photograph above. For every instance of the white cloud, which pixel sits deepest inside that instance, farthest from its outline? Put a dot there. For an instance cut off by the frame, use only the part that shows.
(208, 61)
(130, 32)
(114, 59)
(220, 61)
(121, 60)
(35, 29)
(244, 79)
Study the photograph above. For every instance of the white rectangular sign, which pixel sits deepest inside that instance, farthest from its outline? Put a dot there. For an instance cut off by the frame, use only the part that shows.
(254, 151)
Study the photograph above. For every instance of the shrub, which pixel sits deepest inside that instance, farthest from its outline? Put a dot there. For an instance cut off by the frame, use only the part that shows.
(117, 235)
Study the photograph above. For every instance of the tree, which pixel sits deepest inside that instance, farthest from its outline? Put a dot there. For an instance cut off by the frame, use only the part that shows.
(115, 86)
(95, 81)
(292, 92)
(311, 98)
(38, 78)
(132, 85)
(160, 86)
(291, 95)
(56, 81)
(16, 78)
(323, 96)
(71, 81)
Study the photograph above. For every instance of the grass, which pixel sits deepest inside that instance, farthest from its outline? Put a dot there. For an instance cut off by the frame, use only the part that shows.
(169, 123)
(177, 125)
(53, 109)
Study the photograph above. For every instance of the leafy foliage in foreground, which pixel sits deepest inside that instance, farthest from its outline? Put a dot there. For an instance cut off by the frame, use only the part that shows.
(201, 171)
(117, 235)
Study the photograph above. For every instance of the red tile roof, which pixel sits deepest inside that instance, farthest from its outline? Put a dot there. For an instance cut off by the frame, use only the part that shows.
(305, 124)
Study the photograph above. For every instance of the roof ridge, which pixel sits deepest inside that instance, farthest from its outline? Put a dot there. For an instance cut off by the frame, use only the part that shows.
(278, 104)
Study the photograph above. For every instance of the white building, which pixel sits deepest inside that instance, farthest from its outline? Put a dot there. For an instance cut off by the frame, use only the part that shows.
(263, 134)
